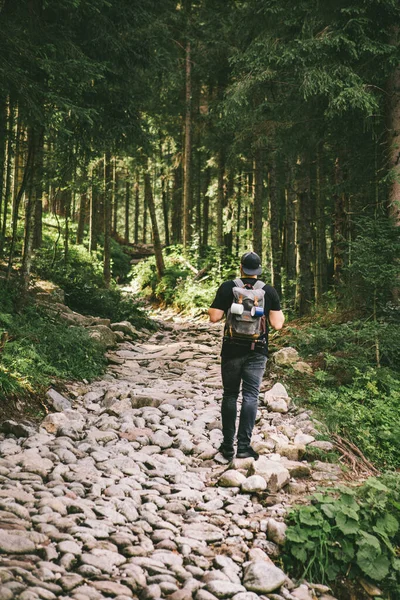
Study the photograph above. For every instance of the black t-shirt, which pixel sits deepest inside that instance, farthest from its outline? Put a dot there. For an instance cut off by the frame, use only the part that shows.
(223, 301)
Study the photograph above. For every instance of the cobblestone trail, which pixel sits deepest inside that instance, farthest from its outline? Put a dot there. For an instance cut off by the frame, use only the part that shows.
(124, 495)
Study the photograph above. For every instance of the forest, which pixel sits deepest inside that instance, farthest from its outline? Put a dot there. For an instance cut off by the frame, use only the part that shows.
(145, 146)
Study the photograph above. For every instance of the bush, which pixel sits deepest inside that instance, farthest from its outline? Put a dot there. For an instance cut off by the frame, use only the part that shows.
(350, 533)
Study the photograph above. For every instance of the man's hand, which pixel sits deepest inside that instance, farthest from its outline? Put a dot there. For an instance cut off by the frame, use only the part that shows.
(276, 318)
(215, 314)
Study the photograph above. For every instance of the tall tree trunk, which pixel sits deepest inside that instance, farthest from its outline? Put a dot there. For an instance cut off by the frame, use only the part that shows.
(127, 208)
(187, 183)
(114, 195)
(276, 247)
(220, 198)
(18, 157)
(164, 196)
(38, 218)
(394, 137)
(290, 236)
(29, 213)
(304, 288)
(154, 226)
(176, 217)
(82, 218)
(7, 190)
(258, 201)
(67, 202)
(137, 208)
(320, 235)
(198, 191)
(238, 212)
(26, 179)
(228, 236)
(108, 192)
(339, 227)
(144, 222)
(4, 105)
(93, 220)
(206, 206)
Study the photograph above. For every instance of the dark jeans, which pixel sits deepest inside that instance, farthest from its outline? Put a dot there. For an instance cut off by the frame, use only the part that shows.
(248, 370)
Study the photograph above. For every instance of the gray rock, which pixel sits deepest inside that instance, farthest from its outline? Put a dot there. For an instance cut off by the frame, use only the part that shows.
(232, 478)
(11, 543)
(262, 577)
(224, 589)
(322, 445)
(69, 581)
(286, 357)
(17, 429)
(103, 334)
(278, 405)
(302, 593)
(125, 327)
(274, 473)
(57, 401)
(162, 439)
(111, 588)
(276, 531)
(254, 484)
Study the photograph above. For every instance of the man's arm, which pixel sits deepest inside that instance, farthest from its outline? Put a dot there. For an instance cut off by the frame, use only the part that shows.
(215, 314)
(276, 318)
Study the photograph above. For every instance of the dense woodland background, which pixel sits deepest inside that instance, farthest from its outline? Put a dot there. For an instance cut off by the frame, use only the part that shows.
(235, 124)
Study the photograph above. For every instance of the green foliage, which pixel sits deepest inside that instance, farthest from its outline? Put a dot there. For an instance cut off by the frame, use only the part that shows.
(81, 278)
(41, 350)
(345, 347)
(373, 268)
(367, 411)
(348, 532)
(179, 287)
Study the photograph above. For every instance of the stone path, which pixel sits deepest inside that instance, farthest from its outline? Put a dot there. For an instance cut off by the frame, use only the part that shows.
(124, 495)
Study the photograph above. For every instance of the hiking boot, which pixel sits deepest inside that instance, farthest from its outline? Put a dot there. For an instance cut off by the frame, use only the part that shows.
(227, 452)
(247, 453)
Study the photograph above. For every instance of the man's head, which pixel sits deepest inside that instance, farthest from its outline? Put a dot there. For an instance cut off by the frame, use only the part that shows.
(250, 264)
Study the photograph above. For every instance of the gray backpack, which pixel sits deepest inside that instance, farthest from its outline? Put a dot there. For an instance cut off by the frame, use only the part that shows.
(245, 319)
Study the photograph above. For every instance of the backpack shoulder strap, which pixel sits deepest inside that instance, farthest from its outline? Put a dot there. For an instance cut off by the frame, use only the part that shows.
(238, 283)
(258, 285)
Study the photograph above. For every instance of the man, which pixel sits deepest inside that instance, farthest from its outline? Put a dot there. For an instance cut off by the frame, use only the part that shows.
(243, 360)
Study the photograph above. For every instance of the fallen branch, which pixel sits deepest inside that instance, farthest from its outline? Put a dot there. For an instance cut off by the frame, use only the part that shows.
(354, 456)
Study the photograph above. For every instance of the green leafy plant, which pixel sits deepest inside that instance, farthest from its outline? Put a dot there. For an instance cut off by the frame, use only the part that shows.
(348, 532)
(367, 411)
(41, 350)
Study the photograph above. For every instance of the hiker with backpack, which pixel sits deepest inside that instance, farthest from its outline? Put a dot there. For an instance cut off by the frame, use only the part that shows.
(249, 306)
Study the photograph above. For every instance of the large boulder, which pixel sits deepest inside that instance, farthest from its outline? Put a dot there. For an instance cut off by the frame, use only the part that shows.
(232, 478)
(277, 399)
(286, 357)
(125, 327)
(57, 401)
(103, 334)
(274, 473)
(262, 577)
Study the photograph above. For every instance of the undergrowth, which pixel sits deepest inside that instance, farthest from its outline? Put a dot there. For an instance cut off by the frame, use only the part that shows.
(348, 532)
(356, 398)
(180, 287)
(40, 350)
(81, 278)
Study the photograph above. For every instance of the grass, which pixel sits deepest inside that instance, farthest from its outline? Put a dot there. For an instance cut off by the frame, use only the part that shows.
(41, 351)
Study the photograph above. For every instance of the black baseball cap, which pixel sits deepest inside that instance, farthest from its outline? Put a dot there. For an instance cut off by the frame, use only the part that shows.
(251, 263)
